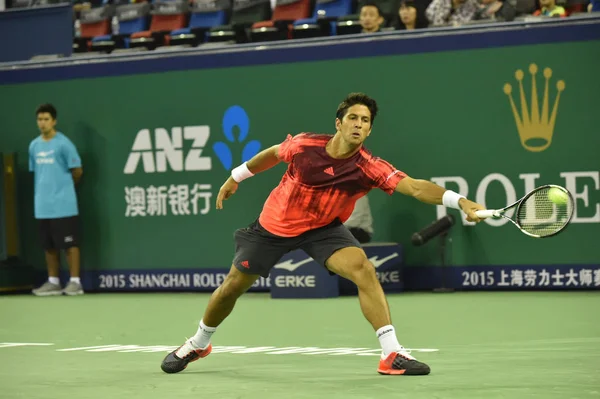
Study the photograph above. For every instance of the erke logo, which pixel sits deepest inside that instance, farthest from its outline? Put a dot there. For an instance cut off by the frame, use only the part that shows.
(291, 265)
(42, 157)
(535, 130)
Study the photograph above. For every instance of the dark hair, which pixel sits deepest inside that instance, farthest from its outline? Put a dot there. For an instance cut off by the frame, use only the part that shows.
(354, 99)
(49, 108)
(420, 18)
(371, 4)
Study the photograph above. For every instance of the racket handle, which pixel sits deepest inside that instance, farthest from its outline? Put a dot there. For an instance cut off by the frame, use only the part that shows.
(487, 213)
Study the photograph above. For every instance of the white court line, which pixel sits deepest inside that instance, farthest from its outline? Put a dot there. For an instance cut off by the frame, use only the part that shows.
(266, 350)
(13, 344)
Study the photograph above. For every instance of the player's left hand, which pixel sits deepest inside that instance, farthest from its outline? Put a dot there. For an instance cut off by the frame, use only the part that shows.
(469, 207)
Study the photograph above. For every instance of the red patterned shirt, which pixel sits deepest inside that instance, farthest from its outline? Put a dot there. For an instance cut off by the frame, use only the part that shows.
(316, 189)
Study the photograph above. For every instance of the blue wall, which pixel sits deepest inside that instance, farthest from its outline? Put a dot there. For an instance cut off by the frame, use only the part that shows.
(27, 32)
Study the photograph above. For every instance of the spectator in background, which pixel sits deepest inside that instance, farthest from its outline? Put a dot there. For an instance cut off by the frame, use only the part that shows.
(371, 18)
(410, 16)
(498, 10)
(455, 12)
(594, 6)
(360, 222)
(57, 167)
(550, 9)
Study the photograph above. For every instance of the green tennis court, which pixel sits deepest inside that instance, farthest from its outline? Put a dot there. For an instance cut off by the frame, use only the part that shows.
(479, 345)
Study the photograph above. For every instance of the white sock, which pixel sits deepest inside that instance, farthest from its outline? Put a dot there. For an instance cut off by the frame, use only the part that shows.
(54, 280)
(202, 337)
(76, 280)
(387, 339)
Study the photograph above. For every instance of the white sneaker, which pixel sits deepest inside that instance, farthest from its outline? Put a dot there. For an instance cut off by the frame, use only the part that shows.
(47, 289)
(73, 288)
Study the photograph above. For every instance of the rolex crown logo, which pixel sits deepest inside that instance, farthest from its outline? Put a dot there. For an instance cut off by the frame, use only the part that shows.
(535, 130)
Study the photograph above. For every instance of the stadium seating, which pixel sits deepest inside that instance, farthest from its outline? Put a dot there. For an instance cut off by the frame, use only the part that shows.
(204, 15)
(245, 13)
(131, 18)
(94, 22)
(166, 17)
(280, 25)
(323, 20)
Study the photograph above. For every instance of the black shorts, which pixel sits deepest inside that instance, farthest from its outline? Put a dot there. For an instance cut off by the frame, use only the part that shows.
(257, 250)
(363, 236)
(62, 233)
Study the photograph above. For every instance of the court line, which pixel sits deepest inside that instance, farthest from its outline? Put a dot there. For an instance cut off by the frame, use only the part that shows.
(238, 350)
(13, 344)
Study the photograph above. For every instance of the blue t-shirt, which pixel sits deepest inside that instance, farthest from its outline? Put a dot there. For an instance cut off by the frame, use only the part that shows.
(52, 161)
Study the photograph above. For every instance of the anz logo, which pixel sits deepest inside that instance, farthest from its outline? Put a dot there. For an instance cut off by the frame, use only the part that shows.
(235, 117)
(164, 151)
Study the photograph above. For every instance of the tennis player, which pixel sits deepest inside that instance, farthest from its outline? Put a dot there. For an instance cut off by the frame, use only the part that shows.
(326, 174)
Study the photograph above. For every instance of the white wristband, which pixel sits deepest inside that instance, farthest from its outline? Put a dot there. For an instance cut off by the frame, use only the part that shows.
(241, 173)
(450, 199)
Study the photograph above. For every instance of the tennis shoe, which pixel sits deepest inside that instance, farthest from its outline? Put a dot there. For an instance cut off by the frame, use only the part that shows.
(402, 363)
(179, 359)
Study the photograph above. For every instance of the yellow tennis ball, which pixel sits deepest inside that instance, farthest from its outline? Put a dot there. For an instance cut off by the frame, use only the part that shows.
(558, 196)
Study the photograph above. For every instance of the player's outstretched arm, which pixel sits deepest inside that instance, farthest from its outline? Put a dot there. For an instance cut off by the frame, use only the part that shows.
(431, 193)
(262, 161)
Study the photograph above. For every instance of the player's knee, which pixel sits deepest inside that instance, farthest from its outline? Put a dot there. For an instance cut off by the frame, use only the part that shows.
(53, 253)
(229, 290)
(363, 272)
(232, 288)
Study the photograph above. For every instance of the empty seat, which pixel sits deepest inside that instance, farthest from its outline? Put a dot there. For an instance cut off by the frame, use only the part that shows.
(131, 18)
(166, 17)
(244, 14)
(205, 14)
(331, 9)
(348, 25)
(93, 22)
(278, 28)
(323, 19)
(96, 21)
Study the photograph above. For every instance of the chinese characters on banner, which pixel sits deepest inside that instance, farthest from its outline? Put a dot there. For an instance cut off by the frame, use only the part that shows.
(527, 277)
(546, 278)
(176, 199)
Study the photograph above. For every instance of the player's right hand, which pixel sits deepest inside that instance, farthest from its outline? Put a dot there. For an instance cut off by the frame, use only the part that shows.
(227, 190)
(470, 207)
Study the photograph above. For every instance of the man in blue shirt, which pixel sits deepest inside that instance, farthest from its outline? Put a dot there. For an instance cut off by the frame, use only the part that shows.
(57, 167)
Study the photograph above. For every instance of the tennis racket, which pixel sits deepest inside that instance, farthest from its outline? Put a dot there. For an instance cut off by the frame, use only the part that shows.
(543, 212)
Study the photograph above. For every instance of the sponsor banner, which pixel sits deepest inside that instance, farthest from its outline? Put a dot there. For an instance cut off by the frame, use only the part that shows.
(200, 280)
(512, 277)
(295, 276)
(298, 276)
(307, 279)
(388, 260)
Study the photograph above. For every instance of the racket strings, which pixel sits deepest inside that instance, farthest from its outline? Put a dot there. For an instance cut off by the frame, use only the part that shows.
(539, 216)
